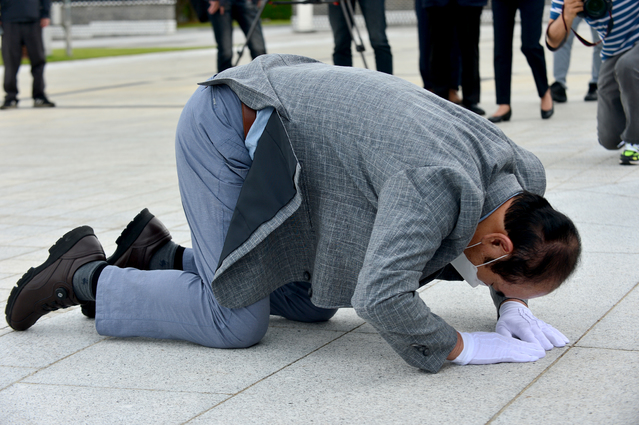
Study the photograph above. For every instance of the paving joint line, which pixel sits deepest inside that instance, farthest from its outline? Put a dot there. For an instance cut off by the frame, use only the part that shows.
(273, 373)
(574, 345)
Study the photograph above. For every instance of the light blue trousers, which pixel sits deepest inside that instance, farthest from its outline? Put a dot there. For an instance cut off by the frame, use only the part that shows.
(561, 57)
(212, 163)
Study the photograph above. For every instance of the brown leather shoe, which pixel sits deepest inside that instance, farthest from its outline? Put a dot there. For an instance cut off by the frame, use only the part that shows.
(136, 245)
(49, 286)
(139, 241)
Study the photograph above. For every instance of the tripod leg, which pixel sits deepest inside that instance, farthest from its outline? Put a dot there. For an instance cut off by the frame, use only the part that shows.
(349, 15)
(240, 52)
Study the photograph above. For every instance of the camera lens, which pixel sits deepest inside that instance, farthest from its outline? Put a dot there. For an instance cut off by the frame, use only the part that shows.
(595, 9)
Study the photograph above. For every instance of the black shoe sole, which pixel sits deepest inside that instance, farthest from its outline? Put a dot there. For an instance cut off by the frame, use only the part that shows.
(130, 234)
(61, 247)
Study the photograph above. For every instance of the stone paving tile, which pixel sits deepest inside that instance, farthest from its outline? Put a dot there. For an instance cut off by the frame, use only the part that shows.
(352, 381)
(586, 386)
(52, 338)
(137, 363)
(9, 375)
(618, 328)
(46, 404)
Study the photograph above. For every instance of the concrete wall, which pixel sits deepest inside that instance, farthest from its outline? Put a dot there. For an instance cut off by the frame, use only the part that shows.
(99, 18)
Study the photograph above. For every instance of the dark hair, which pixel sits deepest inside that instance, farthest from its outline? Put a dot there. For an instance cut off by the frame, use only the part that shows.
(546, 243)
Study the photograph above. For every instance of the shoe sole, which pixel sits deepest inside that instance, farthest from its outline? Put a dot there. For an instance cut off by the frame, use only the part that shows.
(61, 247)
(130, 234)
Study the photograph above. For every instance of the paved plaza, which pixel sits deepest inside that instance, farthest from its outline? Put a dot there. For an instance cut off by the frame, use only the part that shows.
(106, 152)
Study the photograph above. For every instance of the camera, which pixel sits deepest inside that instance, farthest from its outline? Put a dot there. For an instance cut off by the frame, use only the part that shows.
(595, 9)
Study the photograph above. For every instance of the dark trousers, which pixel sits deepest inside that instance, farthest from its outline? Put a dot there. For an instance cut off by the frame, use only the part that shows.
(375, 18)
(244, 12)
(16, 35)
(423, 35)
(531, 12)
(446, 22)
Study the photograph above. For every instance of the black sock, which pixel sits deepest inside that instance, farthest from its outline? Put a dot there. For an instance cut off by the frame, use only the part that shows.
(85, 280)
(177, 265)
(165, 258)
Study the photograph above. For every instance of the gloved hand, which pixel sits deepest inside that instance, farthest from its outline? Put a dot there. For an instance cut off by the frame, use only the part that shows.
(516, 320)
(491, 347)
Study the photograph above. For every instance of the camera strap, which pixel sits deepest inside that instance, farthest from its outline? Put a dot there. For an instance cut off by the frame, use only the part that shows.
(585, 42)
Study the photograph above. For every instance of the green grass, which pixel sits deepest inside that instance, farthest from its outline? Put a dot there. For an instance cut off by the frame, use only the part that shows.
(60, 55)
(265, 22)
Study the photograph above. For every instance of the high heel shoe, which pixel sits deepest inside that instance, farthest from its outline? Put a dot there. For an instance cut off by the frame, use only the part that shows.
(500, 118)
(547, 114)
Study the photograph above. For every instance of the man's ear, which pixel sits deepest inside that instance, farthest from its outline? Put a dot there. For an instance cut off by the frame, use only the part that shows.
(498, 244)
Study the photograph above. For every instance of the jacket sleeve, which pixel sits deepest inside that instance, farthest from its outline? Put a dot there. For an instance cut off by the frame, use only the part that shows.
(45, 9)
(417, 210)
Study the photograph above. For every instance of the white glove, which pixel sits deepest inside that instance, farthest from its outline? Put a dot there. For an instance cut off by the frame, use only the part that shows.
(516, 320)
(491, 347)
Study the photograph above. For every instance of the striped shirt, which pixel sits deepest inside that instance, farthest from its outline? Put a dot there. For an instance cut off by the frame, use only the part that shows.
(625, 32)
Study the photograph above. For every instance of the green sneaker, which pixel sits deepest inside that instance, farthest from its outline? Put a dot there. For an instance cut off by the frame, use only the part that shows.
(630, 155)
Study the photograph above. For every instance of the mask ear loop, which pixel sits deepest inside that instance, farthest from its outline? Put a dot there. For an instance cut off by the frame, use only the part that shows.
(493, 260)
(471, 246)
(487, 262)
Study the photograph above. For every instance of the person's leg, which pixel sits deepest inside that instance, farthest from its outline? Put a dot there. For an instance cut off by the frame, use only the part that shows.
(441, 35)
(223, 31)
(455, 74)
(35, 49)
(11, 56)
(341, 35)
(374, 12)
(596, 56)
(561, 57)
(591, 95)
(247, 13)
(611, 117)
(531, 12)
(468, 23)
(627, 72)
(503, 26)
(423, 39)
(560, 66)
(212, 163)
(170, 304)
(293, 302)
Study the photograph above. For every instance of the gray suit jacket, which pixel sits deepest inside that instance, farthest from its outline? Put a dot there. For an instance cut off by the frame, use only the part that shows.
(362, 184)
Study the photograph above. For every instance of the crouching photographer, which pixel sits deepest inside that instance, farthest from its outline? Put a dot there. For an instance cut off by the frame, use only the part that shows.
(617, 22)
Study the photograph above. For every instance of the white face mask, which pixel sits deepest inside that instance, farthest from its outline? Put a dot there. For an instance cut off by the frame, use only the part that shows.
(468, 270)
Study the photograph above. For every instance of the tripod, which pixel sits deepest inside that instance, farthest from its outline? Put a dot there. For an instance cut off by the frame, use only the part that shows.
(347, 10)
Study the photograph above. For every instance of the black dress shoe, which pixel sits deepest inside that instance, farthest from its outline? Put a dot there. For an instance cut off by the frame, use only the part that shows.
(500, 118)
(592, 93)
(547, 114)
(558, 92)
(474, 108)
